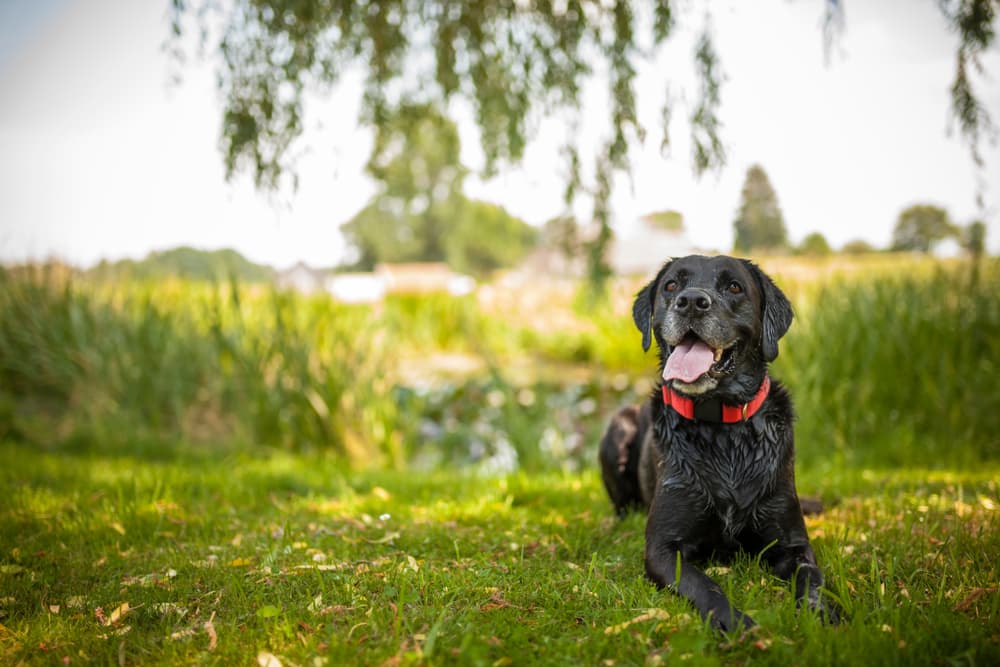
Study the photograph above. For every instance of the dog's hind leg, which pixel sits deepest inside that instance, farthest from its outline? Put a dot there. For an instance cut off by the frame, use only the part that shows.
(619, 458)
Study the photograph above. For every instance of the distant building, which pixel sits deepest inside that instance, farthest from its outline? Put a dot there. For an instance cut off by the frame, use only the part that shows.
(423, 277)
(356, 287)
(659, 236)
(302, 278)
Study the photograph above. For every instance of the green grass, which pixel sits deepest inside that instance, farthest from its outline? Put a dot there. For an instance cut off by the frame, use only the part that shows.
(255, 471)
(222, 556)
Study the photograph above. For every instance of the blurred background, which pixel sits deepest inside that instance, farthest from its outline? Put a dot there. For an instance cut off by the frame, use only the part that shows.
(408, 234)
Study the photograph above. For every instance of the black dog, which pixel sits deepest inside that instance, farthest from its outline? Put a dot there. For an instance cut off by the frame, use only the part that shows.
(711, 456)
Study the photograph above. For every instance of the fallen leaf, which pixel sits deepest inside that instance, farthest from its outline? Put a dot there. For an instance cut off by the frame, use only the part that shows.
(118, 614)
(497, 601)
(210, 629)
(265, 659)
(117, 527)
(54, 608)
(381, 494)
(972, 597)
(649, 615)
(239, 562)
(169, 608)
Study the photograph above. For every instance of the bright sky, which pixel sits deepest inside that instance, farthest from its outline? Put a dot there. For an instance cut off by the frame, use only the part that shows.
(101, 156)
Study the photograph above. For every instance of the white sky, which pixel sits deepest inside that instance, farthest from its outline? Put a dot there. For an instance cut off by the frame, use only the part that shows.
(101, 157)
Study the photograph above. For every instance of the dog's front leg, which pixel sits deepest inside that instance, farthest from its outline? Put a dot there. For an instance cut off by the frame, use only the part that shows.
(668, 566)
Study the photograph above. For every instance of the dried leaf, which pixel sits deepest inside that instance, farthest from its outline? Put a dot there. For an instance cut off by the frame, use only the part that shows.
(650, 614)
(213, 639)
(118, 614)
(265, 659)
(972, 597)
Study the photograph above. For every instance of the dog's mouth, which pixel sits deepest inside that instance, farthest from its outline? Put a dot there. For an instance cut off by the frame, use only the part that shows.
(692, 358)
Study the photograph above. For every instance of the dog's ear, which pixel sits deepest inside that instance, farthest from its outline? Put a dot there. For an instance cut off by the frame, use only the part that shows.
(777, 312)
(642, 309)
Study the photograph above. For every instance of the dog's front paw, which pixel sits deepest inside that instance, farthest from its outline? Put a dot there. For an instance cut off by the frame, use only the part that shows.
(827, 611)
(824, 608)
(728, 620)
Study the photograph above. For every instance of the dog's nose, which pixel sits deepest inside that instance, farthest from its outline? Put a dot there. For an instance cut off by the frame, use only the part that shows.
(693, 300)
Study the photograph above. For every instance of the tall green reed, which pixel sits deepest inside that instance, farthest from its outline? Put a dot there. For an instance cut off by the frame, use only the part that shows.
(105, 363)
(899, 370)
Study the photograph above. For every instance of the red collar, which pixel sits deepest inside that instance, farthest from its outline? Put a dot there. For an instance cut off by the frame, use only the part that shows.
(730, 414)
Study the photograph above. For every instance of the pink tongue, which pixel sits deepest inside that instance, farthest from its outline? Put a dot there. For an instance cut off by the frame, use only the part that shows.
(689, 361)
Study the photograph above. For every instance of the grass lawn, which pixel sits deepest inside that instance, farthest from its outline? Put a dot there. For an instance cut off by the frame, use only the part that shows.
(202, 557)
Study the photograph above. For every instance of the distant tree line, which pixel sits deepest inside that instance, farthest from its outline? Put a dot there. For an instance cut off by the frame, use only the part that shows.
(191, 263)
(759, 226)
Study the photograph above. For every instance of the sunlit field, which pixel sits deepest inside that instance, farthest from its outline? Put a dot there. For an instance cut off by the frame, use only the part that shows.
(229, 474)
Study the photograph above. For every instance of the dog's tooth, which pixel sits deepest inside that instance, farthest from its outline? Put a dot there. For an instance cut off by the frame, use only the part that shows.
(718, 354)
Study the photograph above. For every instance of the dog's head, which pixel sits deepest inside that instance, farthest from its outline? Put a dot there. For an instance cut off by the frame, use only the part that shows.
(716, 320)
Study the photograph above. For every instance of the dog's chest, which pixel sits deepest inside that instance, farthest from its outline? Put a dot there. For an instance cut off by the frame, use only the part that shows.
(732, 467)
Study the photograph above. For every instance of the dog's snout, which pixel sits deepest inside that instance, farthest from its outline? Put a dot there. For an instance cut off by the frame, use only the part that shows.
(693, 300)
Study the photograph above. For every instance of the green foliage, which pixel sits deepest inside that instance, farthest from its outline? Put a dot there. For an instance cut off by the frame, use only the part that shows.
(486, 237)
(858, 247)
(508, 59)
(416, 160)
(88, 363)
(188, 263)
(759, 224)
(974, 238)
(814, 245)
(671, 221)
(420, 213)
(200, 362)
(920, 226)
(897, 371)
(974, 21)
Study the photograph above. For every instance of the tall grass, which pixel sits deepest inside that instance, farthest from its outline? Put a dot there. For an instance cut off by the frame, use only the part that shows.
(901, 370)
(106, 366)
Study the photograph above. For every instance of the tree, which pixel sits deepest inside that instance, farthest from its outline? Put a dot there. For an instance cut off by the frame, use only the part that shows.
(857, 247)
(416, 161)
(974, 238)
(485, 237)
(814, 245)
(920, 226)
(671, 221)
(511, 60)
(759, 223)
(420, 213)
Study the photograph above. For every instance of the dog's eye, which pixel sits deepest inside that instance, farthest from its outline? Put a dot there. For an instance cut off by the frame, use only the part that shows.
(671, 286)
(735, 288)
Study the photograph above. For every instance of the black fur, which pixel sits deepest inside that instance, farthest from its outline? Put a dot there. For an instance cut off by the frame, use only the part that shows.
(710, 488)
